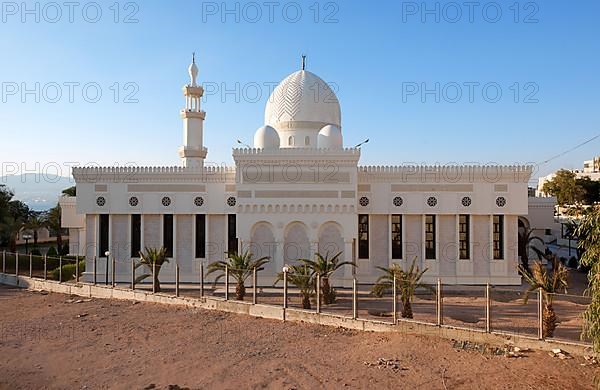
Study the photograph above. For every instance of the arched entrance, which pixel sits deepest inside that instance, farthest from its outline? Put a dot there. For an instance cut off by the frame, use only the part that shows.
(296, 243)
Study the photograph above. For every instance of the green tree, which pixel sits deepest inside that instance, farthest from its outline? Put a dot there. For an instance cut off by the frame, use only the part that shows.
(149, 257)
(71, 191)
(302, 277)
(564, 187)
(590, 190)
(53, 223)
(407, 283)
(526, 244)
(588, 232)
(240, 267)
(35, 222)
(325, 267)
(549, 283)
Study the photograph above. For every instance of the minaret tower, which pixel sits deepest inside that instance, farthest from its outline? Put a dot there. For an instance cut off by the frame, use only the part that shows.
(193, 152)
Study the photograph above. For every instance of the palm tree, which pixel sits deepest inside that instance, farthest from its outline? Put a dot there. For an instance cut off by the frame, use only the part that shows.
(325, 267)
(525, 242)
(240, 267)
(302, 277)
(588, 233)
(549, 284)
(406, 281)
(52, 222)
(34, 223)
(150, 257)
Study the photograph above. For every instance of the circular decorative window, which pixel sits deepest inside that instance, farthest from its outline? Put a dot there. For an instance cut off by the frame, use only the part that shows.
(100, 201)
(231, 201)
(466, 201)
(432, 201)
(134, 201)
(500, 201)
(166, 201)
(364, 201)
(398, 201)
(199, 201)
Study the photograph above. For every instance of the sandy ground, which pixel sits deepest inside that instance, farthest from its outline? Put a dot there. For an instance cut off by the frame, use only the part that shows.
(58, 341)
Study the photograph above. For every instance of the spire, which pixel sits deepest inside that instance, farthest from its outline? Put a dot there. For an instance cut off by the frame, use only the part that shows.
(193, 71)
(303, 61)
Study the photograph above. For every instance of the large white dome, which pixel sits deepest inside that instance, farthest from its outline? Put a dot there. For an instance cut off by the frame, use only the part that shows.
(302, 100)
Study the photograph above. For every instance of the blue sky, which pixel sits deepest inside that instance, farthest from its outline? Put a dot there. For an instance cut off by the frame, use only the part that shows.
(371, 51)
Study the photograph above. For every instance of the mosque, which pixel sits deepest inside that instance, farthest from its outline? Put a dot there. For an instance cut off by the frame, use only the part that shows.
(298, 191)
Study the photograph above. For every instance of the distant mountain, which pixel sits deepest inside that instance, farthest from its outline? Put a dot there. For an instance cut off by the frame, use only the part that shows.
(39, 191)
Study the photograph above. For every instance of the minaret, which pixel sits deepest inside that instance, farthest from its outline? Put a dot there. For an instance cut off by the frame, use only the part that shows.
(193, 152)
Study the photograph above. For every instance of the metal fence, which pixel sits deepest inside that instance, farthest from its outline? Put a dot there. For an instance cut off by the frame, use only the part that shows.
(483, 308)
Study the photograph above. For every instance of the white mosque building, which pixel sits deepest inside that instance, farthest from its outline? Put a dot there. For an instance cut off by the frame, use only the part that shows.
(299, 191)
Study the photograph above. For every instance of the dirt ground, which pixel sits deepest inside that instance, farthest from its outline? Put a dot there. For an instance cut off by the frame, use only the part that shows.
(58, 341)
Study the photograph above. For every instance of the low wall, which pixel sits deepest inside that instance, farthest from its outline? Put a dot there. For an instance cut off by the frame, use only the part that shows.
(297, 315)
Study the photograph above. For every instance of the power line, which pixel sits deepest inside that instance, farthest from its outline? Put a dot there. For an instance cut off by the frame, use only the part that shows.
(569, 150)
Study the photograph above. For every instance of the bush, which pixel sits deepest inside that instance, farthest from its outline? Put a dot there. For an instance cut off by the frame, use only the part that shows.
(36, 252)
(65, 249)
(68, 271)
(52, 252)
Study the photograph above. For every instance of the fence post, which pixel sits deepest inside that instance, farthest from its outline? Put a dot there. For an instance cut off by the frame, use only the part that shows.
(17, 264)
(177, 279)
(285, 288)
(318, 288)
(488, 307)
(106, 268)
(76, 268)
(201, 278)
(254, 288)
(45, 267)
(226, 282)
(3, 262)
(395, 300)
(540, 315)
(113, 271)
(95, 264)
(354, 299)
(153, 276)
(132, 274)
(30, 265)
(439, 308)
(60, 269)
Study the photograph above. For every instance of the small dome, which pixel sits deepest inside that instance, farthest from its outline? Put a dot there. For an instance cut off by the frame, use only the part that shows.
(330, 137)
(302, 98)
(266, 137)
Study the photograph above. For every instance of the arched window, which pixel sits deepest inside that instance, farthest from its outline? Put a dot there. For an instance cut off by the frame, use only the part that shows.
(307, 140)
(291, 141)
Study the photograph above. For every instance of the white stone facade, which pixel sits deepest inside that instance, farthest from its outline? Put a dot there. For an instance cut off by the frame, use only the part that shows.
(300, 191)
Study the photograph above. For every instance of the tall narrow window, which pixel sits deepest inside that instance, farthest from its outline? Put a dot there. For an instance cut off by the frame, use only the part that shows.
(232, 242)
(307, 141)
(290, 141)
(104, 233)
(136, 235)
(396, 236)
(430, 237)
(200, 236)
(168, 234)
(498, 237)
(464, 238)
(363, 236)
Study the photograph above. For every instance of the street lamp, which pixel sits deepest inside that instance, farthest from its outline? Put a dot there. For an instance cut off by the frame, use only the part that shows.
(107, 254)
(27, 237)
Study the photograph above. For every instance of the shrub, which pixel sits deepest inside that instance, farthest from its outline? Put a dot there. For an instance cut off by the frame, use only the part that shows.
(36, 252)
(64, 251)
(68, 271)
(52, 252)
